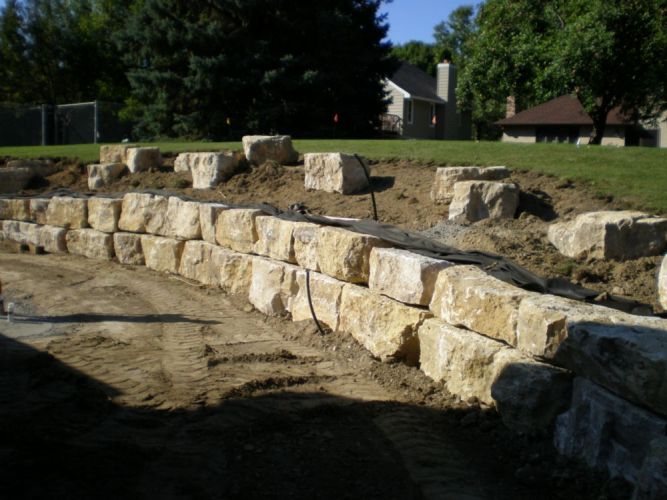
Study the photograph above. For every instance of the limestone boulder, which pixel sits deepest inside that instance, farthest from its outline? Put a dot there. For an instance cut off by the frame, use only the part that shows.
(445, 178)
(90, 243)
(13, 180)
(335, 173)
(143, 213)
(325, 294)
(104, 213)
(273, 286)
(467, 296)
(128, 248)
(652, 478)
(606, 431)
(261, 148)
(210, 169)
(476, 200)
(142, 159)
(345, 255)
(114, 153)
(102, 175)
(305, 245)
(387, 328)
(208, 215)
(235, 229)
(24, 233)
(275, 238)
(67, 212)
(182, 162)
(38, 208)
(52, 239)
(402, 275)
(182, 220)
(662, 284)
(234, 270)
(15, 209)
(197, 263)
(162, 254)
(614, 235)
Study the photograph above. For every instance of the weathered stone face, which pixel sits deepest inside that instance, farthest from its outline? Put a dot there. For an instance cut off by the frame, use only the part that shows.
(388, 329)
(90, 243)
(142, 159)
(114, 153)
(104, 213)
(630, 361)
(234, 270)
(325, 294)
(606, 431)
(276, 238)
(273, 286)
(446, 177)
(182, 220)
(143, 213)
(235, 229)
(15, 209)
(24, 233)
(182, 162)
(467, 296)
(162, 254)
(128, 248)
(52, 239)
(208, 215)
(405, 276)
(261, 148)
(71, 213)
(104, 174)
(305, 245)
(197, 263)
(13, 180)
(335, 173)
(662, 284)
(345, 255)
(477, 200)
(38, 208)
(210, 169)
(652, 479)
(618, 235)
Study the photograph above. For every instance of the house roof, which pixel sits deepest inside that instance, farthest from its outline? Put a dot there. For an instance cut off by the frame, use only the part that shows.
(416, 83)
(563, 110)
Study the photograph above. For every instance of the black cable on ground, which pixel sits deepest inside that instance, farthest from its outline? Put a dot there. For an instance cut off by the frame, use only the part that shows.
(370, 187)
(310, 303)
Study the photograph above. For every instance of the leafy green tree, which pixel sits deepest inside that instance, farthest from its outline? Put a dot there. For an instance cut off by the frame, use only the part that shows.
(13, 72)
(451, 36)
(207, 68)
(425, 56)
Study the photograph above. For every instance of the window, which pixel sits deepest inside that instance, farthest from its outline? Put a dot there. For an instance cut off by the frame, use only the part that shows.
(434, 116)
(411, 106)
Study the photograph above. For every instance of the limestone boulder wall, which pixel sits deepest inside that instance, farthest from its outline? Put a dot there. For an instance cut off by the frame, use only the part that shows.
(15, 209)
(38, 208)
(142, 159)
(210, 169)
(102, 175)
(162, 254)
(208, 215)
(236, 229)
(182, 220)
(114, 153)
(335, 172)
(477, 200)
(90, 243)
(67, 212)
(275, 238)
(273, 286)
(104, 213)
(52, 239)
(261, 148)
(662, 283)
(128, 248)
(325, 294)
(618, 235)
(445, 178)
(143, 213)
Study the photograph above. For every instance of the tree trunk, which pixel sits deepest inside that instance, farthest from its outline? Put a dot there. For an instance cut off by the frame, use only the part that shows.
(599, 117)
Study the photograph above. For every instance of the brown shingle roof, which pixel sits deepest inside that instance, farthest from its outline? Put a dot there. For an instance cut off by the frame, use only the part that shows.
(563, 110)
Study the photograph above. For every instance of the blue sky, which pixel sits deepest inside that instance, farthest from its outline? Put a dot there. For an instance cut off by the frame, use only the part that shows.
(415, 19)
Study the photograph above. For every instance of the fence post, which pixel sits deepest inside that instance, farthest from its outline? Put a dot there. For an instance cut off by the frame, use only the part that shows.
(95, 122)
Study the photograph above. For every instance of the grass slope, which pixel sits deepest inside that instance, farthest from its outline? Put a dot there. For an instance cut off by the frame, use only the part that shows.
(635, 175)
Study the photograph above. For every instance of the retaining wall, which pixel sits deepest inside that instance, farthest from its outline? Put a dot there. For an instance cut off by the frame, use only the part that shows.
(594, 377)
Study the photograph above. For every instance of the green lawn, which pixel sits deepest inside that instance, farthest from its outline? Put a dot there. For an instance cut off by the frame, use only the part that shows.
(635, 175)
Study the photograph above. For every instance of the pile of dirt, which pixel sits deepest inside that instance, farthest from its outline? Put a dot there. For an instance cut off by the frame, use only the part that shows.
(402, 191)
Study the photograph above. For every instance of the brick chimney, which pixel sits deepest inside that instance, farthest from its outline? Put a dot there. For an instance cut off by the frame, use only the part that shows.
(510, 109)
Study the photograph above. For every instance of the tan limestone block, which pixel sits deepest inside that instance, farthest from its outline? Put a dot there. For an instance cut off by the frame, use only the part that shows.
(325, 295)
(143, 213)
(208, 215)
(70, 213)
(273, 287)
(104, 213)
(162, 254)
(90, 243)
(235, 229)
(128, 248)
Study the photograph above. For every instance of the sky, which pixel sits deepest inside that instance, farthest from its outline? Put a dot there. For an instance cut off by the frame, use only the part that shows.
(415, 19)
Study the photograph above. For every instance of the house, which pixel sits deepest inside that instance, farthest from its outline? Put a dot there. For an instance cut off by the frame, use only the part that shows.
(564, 119)
(423, 107)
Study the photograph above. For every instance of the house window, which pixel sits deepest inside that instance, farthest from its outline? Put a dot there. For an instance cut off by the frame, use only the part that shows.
(434, 116)
(411, 106)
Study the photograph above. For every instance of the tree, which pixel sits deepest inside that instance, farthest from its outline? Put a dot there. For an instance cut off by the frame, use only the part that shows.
(608, 52)
(13, 72)
(451, 36)
(260, 65)
(425, 56)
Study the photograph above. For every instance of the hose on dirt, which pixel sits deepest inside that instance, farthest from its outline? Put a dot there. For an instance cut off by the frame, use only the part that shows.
(310, 303)
(370, 187)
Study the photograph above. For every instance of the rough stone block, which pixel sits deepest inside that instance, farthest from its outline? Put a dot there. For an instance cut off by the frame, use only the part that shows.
(142, 159)
(114, 153)
(67, 212)
(210, 169)
(234, 270)
(261, 148)
(335, 173)
(606, 431)
(618, 235)
(13, 180)
(467, 296)
(52, 239)
(24, 233)
(276, 238)
(445, 178)
(90, 243)
(128, 248)
(15, 209)
(235, 229)
(477, 200)
(273, 287)
(143, 213)
(208, 215)
(182, 162)
(305, 245)
(388, 329)
(197, 263)
(102, 175)
(38, 208)
(345, 255)
(405, 276)
(652, 479)
(162, 254)
(662, 283)
(104, 213)
(325, 295)
(182, 220)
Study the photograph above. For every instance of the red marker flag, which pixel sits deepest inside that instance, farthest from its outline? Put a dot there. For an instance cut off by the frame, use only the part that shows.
(336, 118)
(434, 120)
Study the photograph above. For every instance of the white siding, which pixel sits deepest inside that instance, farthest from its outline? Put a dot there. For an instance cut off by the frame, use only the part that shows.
(395, 107)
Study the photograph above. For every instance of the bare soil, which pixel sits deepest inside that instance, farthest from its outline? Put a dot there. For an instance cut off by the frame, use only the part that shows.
(120, 382)
(403, 199)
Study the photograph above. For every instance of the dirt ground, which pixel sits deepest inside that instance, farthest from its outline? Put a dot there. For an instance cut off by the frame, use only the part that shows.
(403, 199)
(120, 382)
